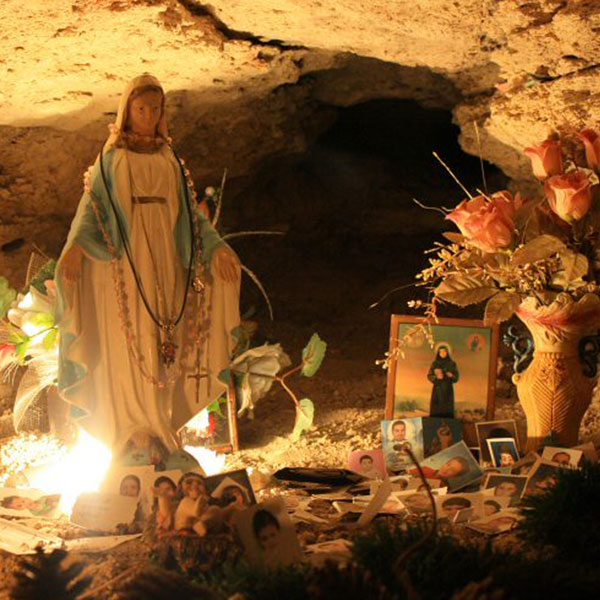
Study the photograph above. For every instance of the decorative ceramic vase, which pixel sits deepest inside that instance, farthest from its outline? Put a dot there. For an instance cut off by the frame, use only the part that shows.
(556, 388)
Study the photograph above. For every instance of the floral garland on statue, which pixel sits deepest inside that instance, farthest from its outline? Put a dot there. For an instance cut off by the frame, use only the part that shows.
(509, 249)
(29, 337)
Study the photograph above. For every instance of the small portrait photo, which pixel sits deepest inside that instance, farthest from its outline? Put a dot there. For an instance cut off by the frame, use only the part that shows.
(401, 482)
(131, 486)
(416, 503)
(455, 467)
(491, 506)
(565, 457)
(510, 486)
(232, 488)
(134, 481)
(455, 378)
(497, 522)
(503, 451)
(268, 535)
(524, 466)
(494, 429)
(369, 463)
(397, 435)
(448, 507)
(16, 502)
(439, 434)
(542, 477)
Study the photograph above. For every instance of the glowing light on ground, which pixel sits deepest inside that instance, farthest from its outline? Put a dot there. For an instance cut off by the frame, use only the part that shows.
(211, 462)
(81, 469)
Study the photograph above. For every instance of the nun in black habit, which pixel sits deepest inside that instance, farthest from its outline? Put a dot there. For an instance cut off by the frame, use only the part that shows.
(443, 374)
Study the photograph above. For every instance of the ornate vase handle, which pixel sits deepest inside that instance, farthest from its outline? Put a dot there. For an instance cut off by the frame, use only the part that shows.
(522, 345)
(589, 349)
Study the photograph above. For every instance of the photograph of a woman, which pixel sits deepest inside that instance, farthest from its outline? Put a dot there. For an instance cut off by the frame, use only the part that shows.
(443, 374)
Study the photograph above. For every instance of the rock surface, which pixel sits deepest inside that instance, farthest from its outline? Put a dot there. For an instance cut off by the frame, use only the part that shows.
(253, 79)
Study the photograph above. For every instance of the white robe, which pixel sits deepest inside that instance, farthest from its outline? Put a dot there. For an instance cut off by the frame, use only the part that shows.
(118, 399)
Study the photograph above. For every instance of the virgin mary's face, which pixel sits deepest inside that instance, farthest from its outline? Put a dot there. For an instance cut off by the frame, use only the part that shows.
(145, 112)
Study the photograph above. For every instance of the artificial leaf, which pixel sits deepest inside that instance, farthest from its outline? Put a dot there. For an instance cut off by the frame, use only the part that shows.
(312, 355)
(454, 237)
(463, 289)
(17, 336)
(215, 407)
(538, 248)
(304, 418)
(7, 296)
(575, 265)
(261, 365)
(50, 339)
(42, 320)
(501, 307)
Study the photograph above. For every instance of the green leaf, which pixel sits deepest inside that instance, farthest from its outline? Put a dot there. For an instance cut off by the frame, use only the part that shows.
(501, 307)
(462, 289)
(50, 339)
(17, 336)
(42, 320)
(538, 248)
(215, 407)
(22, 349)
(304, 418)
(312, 355)
(7, 296)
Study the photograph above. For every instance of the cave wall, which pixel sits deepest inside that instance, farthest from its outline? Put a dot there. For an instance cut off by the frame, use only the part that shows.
(249, 80)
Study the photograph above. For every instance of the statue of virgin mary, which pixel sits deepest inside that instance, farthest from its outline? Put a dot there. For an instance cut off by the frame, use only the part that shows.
(147, 291)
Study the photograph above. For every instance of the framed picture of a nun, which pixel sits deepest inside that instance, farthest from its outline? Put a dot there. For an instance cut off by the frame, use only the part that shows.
(447, 370)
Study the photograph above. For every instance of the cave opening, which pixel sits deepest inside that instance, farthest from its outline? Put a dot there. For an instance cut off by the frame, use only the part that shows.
(352, 229)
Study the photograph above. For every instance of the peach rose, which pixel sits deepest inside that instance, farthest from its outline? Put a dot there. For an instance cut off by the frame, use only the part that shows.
(591, 141)
(569, 195)
(546, 159)
(487, 224)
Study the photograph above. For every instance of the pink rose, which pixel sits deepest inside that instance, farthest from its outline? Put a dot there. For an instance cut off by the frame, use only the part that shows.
(487, 224)
(569, 195)
(591, 141)
(546, 159)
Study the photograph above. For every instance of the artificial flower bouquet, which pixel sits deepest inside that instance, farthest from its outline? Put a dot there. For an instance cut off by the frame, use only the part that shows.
(510, 250)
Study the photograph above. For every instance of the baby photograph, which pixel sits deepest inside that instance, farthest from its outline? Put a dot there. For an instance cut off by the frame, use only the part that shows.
(268, 535)
(455, 467)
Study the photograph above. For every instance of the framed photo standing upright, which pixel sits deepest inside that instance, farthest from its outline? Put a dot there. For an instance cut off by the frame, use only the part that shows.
(456, 378)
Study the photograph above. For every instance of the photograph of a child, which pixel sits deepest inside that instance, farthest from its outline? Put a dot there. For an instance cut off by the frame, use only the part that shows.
(496, 523)
(268, 535)
(526, 464)
(494, 429)
(439, 434)
(130, 486)
(399, 434)
(369, 463)
(417, 503)
(543, 476)
(503, 451)
(511, 486)
(455, 467)
(27, 503)
(448, 507)
(565, 457)
(452, 379)
(231, 488)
